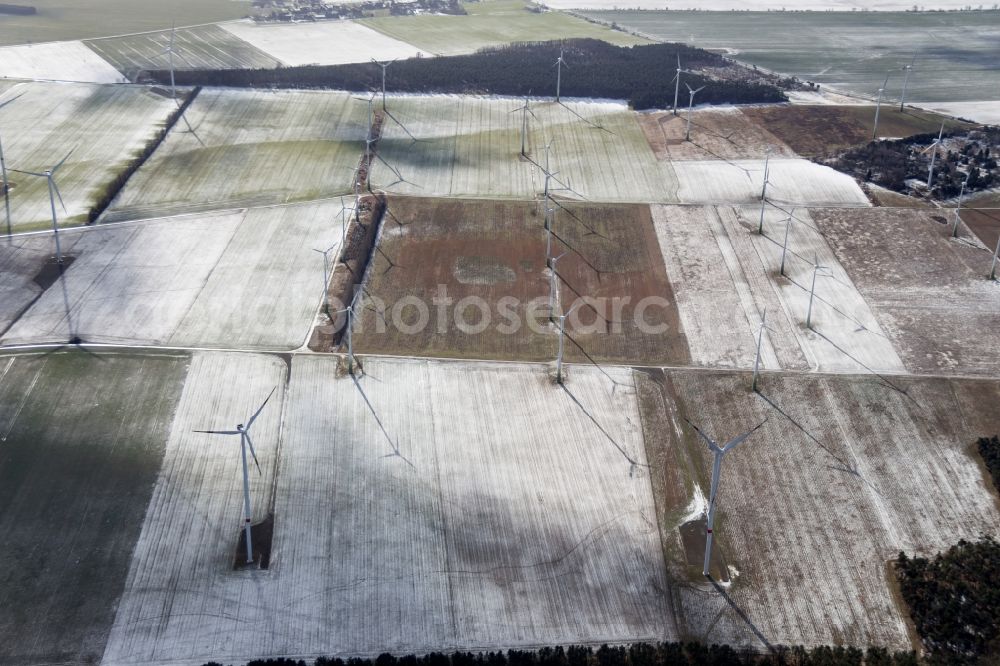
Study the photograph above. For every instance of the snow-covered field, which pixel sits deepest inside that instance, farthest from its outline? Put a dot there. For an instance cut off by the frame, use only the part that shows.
(247, 147)
(980, 112)
(724, 275)
(930, 292)
(201, 47)
(56, 61)
(470, 146)
(845, 474)
(246, 280)
(476, 535)
(322, 42)
(795, 182)
(100, 127)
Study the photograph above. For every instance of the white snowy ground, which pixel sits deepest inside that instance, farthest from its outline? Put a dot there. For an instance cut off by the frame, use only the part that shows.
(980, 112)
(476, 535)
(240, 279)
(760, 5)
(57, 61)
(725, 275)
(792, 181)
(322, 43)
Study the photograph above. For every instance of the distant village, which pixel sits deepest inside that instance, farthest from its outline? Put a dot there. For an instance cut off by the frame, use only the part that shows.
(270, 11)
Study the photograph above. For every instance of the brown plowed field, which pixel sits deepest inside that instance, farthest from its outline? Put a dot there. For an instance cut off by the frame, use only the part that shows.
(817, 130)
(495, 250)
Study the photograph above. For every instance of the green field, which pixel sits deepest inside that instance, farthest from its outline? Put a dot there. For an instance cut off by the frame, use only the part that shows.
(65, 19)
(203, 47)
(957, 52)
(81, 442)
(490, 24)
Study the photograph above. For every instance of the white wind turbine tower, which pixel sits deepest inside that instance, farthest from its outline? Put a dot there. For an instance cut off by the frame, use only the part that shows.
(49, 175)
(958, 209)
(384, 66)
(349, 311)
(3, 172)
(993, 266)
(934, 148)
(812, 291)
(677, 82)
(525, 110)
(548, 230)
(369, 153)
(326, 276)
(878, 107)
(562, 335)
(784, 245)
(763, 189)
(692, 91)
(560, 63)
(169, 52)
(906, 78)
(244, 432)
(719, 453)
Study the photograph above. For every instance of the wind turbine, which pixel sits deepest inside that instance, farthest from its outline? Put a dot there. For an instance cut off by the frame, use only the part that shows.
(244, 432)
(525, 110)
(933, 147)
(763, 189)
(906, 78)
(719, 453)
(562, 335)
(560, 62)
(687, 133)
(993, 266)
(878, 106)
(369, 153)
(784, 246)
(812, 292)
(326, 277)
(384, 66)
(349, 310)
(3, 172)
(49, 175)
(677, 82)
(169, 52)
(548, 231)
(958, 209)
(385, 109)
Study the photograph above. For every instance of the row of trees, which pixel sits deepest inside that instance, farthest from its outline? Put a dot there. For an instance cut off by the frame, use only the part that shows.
(638, 654)
(640, 74)
(113, 187)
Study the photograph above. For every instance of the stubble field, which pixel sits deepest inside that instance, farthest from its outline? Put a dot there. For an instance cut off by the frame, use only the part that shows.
(248, 148)
(247, 279)
(202, 47)
(322, 43)
(494, 252)
(930, 292)
(100, 128)
(82, 441)
(444, 545)
(818, 500)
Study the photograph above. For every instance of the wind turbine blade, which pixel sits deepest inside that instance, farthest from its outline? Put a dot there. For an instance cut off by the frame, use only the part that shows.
(252, 452)
(62, 161)
(55, 187)
(736, 441)
(218, 432)
(28, 173)
(260, 409)
(711, 442)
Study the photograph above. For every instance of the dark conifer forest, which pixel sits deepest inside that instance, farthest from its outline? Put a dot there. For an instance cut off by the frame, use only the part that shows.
(643, 75)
